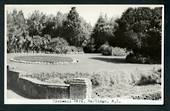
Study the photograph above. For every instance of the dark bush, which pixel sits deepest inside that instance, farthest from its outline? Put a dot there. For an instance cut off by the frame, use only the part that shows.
(96, 80)
(89, 46)
(73, 50)
(140, 30)
(153, 77)
(105, 49)
(58, 45)
(138, 58)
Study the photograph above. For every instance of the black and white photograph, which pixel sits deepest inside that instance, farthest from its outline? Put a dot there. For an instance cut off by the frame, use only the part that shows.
(84, 54)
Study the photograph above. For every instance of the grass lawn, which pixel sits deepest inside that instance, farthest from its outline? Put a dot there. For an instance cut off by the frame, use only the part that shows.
(111, 76)
(87, 63)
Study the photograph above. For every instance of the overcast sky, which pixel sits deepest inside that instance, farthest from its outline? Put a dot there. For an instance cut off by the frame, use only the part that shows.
(89, 12)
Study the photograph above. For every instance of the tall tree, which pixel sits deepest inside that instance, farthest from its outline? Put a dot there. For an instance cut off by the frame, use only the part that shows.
(16, 31)
(140, 30)
(75, 29)
(54, 25)
(36, 23)
(103, 31)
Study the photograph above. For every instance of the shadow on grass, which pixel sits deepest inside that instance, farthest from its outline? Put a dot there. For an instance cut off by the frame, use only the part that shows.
(110, 60)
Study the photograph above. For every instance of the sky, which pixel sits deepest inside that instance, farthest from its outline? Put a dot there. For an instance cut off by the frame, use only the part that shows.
(89, 12)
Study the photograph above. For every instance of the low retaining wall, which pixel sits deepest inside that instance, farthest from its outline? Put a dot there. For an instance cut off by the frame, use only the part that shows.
(79, 88)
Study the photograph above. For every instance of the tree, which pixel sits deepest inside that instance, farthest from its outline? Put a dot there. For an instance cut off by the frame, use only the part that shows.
(75, 28)
(85, 31)
(139, 29)
(16, 31)
(54, 25)
(58, 45)
(103, 31)
(36, 23)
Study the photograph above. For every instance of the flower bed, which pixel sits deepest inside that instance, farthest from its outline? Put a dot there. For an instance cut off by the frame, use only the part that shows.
(112, 84)
(39, 59)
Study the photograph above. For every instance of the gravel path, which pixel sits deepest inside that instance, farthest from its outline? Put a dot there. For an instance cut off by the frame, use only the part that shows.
(13, 95)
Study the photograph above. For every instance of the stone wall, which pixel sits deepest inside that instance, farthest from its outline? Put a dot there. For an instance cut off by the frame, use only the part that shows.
(79, 88)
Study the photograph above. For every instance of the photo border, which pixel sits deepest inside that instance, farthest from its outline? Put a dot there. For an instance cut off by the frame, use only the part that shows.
(123, 102)
(164, 107)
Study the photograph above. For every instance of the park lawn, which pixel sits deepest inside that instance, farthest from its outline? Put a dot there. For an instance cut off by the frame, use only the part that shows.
(87, 63)
(114, 76)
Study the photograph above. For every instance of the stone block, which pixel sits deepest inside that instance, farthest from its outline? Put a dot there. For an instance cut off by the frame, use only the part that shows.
(80, 88)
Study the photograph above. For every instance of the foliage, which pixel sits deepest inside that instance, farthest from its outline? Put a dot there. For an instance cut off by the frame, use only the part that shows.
(74, 50)
(150, 96)
(138, 58)
(36, 23)
(58, 45)
(54, 25)
(106, 49)
(16, 31)
(89, 46)
(153, 78)
(76, 30)
(139, 29)
(116, 83)
(36, 33)
(103, 31)
(106, 78)
(117, 51)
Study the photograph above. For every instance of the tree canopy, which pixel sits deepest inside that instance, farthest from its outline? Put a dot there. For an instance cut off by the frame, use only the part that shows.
(138, 30)
(76, 30)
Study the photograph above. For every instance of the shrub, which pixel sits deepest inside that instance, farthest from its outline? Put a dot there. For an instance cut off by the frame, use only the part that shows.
(138, 58)
(117, 51)
(112, 84)
(106, 79)
(89, 49)
(96, 80)
(89, 46)
(105, 49)
(80, 49)
(147, 77)
(150, 96)
(73, 49)
(58, 45)
(54, 80)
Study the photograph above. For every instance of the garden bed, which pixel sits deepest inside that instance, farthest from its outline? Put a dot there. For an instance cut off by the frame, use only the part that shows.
(112, 84)
(42, 59)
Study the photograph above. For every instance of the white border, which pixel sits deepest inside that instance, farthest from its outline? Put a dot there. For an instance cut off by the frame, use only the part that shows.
(47, 101)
